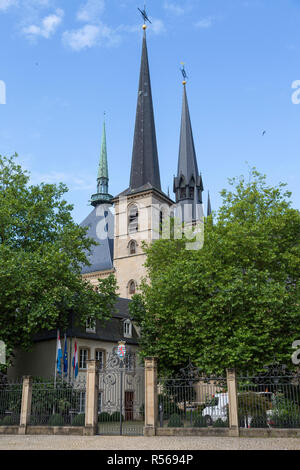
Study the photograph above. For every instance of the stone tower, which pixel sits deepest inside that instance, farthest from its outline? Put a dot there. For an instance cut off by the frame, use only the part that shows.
(139, 210)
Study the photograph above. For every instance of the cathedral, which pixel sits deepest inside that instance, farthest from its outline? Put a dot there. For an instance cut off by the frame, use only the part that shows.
(140, 209)
(119, 225)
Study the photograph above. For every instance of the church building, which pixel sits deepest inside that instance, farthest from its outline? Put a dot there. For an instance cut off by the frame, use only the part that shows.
(119, 225)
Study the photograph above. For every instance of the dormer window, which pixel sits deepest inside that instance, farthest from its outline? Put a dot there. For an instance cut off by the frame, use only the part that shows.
(127, 329)
(182, 193)
(192, 193)
(90, 325)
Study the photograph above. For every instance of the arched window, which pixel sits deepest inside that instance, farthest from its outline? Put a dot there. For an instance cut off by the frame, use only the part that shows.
(133, 219)
(182, 188)
(131, 287)
(161, 220)
(132, 247)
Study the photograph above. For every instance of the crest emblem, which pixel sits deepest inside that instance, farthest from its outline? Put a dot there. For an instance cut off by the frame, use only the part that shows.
(121, 351)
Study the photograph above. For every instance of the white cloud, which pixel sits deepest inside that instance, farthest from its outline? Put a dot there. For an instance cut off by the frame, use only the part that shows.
(48, 26)
(174, 8)
(157, 26)
(91, 11)
(71, 180)
(6, 4)
(204, 23)
(89, 36)
(82, 38)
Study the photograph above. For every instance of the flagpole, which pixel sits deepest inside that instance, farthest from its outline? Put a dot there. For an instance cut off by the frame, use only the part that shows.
(56, 357)
(55, 371)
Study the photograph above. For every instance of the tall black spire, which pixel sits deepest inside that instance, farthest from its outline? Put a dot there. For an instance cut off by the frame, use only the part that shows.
(144, 165)
(188, 186)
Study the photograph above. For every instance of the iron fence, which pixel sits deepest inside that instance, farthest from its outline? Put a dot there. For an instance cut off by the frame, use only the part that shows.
(269, 400)
(121, 397)
(10, 402)
(58, 403)
(192, 399)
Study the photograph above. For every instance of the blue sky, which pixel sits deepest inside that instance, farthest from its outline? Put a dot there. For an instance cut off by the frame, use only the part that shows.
(66, 62)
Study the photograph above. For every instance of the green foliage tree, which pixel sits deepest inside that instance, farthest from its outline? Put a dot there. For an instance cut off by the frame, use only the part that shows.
(42, 252)
(235, 302)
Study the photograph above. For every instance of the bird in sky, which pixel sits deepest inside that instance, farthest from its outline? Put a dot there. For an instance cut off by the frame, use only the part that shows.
(264, 133)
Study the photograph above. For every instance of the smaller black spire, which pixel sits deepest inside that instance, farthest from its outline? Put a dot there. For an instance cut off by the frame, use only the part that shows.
(209, 211)
(188, 185)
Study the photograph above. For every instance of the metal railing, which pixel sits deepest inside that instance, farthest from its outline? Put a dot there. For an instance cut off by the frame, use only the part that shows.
(10, 402)
(192, 400)
(269, 401)
(59, 403)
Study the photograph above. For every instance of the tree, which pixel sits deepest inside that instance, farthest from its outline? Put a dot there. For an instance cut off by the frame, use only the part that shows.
(42, 252)
(235, 302)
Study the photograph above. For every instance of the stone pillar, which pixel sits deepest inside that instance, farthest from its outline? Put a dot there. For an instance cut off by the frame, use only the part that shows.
(233, 403)
(25, 404)
(91, 398)
(151, 401)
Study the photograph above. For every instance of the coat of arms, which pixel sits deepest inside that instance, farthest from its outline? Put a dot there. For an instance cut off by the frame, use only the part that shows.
(121, 351)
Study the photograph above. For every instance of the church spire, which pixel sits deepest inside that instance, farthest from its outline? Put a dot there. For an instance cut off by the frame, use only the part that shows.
(209, 211)
(102, 177)
(188, 186)
(144, 165)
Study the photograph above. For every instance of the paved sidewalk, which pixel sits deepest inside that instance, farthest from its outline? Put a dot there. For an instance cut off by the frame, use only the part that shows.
(144, 443)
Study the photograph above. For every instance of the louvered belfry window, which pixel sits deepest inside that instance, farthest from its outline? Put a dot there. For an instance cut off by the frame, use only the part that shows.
(133, 222)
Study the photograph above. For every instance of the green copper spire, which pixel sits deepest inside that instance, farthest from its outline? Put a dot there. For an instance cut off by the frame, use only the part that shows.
(103, 167)
(102, 178)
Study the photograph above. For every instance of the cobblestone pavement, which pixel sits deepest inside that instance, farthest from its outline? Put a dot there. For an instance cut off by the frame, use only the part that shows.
(144, 443)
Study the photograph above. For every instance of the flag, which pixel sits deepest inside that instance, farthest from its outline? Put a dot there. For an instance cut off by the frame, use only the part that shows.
(65, 358)
(75, 361)
(59, 354)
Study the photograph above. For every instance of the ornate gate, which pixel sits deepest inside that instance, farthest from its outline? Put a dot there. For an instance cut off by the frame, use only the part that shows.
(121, 397)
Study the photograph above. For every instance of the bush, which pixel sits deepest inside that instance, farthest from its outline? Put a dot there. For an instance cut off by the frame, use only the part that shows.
(200, 422)
(116, 417)
(56, 420)
(104, 417)
(175, 421)
(38, 420)
(286, 413)
(79, 420)
(219, 423)
(10, 420)
(285, 421)
(259, 422)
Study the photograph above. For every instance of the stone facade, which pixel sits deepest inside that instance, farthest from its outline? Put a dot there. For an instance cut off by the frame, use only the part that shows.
(130, 266)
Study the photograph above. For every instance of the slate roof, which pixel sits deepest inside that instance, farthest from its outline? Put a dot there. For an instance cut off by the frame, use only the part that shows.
(187, 161)
(144, 165)
(187, 172)
(112, 331)
(100, 223)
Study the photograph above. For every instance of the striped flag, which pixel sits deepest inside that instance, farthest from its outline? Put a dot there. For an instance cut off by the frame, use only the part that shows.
(65, 357)
(58, 354)
(75, 361)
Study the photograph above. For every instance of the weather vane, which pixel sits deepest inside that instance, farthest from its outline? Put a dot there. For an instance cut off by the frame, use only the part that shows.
(144, 15)
(182, 69)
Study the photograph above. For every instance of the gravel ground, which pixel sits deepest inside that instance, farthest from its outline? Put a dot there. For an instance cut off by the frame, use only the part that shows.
(144, 443)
